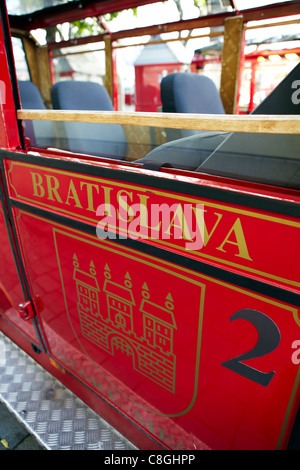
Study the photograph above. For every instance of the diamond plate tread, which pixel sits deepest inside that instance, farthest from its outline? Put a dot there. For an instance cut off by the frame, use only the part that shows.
(52, 413)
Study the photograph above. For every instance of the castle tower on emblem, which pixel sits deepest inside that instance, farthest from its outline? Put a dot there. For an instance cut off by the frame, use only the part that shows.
(87, 288)
(120, 301)
(159, 322)
(114, 327)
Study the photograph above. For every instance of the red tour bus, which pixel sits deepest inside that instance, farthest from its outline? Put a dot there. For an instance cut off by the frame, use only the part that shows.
(150, 261)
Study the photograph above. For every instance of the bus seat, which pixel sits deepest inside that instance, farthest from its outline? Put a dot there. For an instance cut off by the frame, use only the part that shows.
(183, 92)
(185, 148)
(106, 140)
(264, 158)
(40, 133)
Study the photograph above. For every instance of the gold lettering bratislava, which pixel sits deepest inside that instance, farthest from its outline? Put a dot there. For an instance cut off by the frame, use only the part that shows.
(88, 196)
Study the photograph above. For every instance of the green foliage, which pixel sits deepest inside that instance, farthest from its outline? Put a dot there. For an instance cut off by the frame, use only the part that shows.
(90, 26)
(81, 28)
(111, 16)
(200, 3)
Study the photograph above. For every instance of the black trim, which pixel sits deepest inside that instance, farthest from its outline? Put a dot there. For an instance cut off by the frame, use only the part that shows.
(154, 165)
(16, 252)
(240, 280)
(8, 217)
(195, 190)
(11, 67)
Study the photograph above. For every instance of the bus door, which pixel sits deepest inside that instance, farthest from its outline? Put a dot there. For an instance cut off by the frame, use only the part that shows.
(191, 337)
(17, 306)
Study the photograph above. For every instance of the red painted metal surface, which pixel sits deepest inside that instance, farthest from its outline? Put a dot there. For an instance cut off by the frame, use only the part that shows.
(147, 84)
(157, 340)
(9, 133)
(11, 293)
(234, 236)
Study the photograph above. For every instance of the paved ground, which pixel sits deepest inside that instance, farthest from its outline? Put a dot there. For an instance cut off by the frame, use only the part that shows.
(13, 434)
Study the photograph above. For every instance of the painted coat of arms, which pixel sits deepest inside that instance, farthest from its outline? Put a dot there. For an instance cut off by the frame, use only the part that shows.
(128, 313)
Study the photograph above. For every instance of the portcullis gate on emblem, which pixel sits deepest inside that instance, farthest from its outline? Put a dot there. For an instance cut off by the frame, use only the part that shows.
(152, 353)
(128, 312)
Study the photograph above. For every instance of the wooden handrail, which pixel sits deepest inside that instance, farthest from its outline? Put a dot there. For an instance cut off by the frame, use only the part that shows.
(268, 124)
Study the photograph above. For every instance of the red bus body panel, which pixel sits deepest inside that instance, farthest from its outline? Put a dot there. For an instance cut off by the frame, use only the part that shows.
(178, 345)
(154, 328)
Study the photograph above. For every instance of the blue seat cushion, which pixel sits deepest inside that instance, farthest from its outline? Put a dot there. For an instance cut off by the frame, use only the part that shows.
(78, 95)
(190, 93)
(40, 133)
(108, 140)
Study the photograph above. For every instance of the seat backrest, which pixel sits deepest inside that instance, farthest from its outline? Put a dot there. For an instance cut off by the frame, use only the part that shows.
(30, 95)
(189, 93)
(40, 133)
(79, 95)
(96, 139)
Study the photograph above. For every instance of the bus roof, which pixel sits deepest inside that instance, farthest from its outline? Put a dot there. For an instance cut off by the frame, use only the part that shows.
(46, 13)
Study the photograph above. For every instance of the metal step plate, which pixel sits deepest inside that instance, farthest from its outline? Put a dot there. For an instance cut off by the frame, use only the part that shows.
(53, 414)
